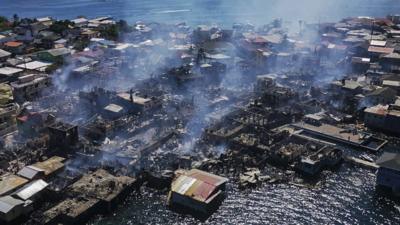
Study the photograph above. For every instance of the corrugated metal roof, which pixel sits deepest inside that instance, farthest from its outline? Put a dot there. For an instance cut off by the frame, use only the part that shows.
(29, 172)
(8, 71)
(80, 20)
(7, 203)
(182, 184)
(59, 51)
(34, 65)
(4, 53)
(207, 177)
(391, 83)
(203, 191)
(51, 165)
(10, 183)
(381, 50)
(114, 108)
(197, 184)
(378, 43)
(31, 189)
(192, 190)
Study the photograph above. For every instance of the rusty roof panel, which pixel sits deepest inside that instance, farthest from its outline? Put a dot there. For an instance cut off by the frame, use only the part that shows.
(10, 183)
(380, 50)
(203, 191)
(197, 184)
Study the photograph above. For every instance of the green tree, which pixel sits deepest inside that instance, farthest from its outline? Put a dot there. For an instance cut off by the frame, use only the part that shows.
(3, 19)
(4, 23)
(15, 20)
(123, 26)
(81, 44)
(60, 26)
(111, 32)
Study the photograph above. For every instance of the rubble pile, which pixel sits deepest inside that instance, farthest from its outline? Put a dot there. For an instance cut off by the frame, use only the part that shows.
(127, 104)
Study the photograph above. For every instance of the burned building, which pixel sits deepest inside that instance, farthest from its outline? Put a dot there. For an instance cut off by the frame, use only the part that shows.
(114, 111)
(184, 74)
(171, 97)
(264, 82)
(337, 135)
(135, 102)
(347, 87)
(278, 96)
(221, 132)
(71, 211)
(383, 117)
(384, 96)
(314, 163)
(360, 64)
(63, 135)
(289, 151)
(8, 121)
(106, 188)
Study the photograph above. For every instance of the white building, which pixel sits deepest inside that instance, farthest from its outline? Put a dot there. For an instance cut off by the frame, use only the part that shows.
(29, 86)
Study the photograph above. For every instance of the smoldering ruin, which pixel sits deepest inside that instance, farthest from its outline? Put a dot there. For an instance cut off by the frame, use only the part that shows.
(94, 110)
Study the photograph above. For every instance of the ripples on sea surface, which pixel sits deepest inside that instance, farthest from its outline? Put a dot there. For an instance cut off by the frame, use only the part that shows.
(346, 196)
(202, 11)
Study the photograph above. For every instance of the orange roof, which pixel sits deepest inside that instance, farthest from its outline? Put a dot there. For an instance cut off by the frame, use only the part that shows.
(13, 44)
(380, 50)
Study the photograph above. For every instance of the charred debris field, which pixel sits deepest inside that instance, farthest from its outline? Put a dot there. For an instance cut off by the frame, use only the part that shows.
(105, 122)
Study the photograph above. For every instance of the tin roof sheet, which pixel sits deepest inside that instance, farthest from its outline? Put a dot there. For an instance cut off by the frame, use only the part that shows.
(7, 203)
(381, 50)
(4, 53)
(8, 71)
(10, 183)
(51, 165)
(207, 177)
(33, 65)
(197, 184)
(31, 189)
(29, 172)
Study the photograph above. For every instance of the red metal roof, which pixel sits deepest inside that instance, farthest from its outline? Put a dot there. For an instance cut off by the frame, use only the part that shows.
(204, 191)
(205, 178)
(197, 184)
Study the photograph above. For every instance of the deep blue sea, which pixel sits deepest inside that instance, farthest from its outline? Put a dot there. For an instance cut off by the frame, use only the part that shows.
(202, 11)
(346, 196)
